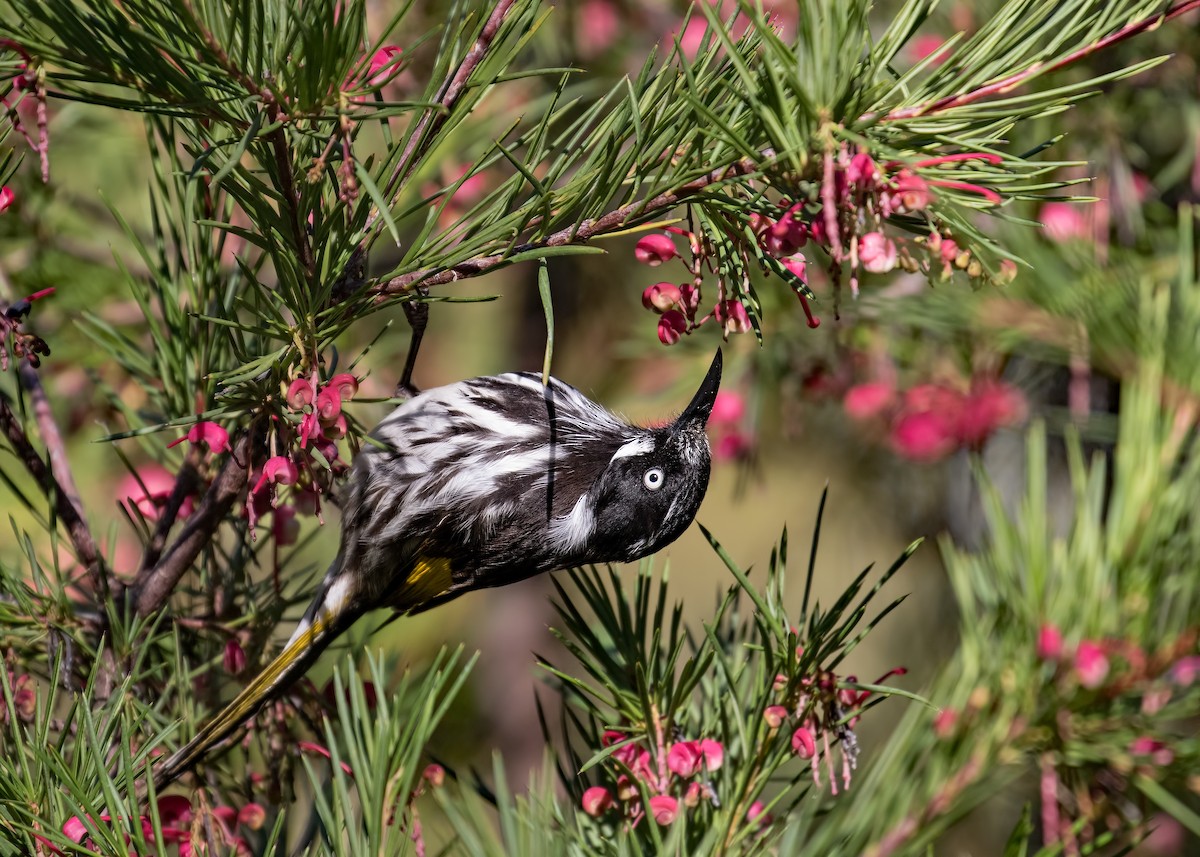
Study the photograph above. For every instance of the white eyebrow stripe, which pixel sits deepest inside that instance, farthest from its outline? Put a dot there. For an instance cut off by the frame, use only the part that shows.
(637, 446)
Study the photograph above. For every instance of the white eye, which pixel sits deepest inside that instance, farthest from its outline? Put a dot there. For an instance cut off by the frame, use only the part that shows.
(653, 479)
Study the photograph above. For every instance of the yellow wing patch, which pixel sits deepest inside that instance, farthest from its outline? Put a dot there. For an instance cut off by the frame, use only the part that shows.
(429, 578)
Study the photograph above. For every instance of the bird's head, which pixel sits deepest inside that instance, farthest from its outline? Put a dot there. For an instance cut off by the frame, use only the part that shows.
(652, 487)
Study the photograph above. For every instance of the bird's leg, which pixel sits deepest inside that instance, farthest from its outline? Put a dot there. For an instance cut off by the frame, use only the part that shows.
(417, 313)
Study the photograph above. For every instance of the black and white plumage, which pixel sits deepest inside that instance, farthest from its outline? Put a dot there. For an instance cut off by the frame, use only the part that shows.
(482, 483)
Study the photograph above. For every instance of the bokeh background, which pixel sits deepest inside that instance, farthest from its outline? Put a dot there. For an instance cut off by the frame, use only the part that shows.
(1137, 150)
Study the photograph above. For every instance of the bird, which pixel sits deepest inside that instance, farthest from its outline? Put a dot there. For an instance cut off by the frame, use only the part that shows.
(478, 484)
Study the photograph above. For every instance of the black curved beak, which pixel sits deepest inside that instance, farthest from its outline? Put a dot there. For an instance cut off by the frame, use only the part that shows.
(695, 416)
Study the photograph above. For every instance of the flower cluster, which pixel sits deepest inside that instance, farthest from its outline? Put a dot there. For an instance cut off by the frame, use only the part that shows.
(177, 820)
(814, 709)
(24, 697)
(25, 101)
(844, 215)
(14, 339)
(929, 421)
(677, 779)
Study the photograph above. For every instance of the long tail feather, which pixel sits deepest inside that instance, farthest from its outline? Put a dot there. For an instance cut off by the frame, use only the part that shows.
(316, 631)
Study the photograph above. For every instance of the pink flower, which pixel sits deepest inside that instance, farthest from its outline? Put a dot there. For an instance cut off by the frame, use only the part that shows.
(596, 801)
(345, 384)
(731, 446)
(671, 326)
(923, 46)
(786, 235)
(279, 470)
(1185, 670)
(990, 405)
(1091, 664)
(1049, 643)
(944, 723)
(661, 297)
(867, 401)
(318, 750)
(6, 198)
(664, 809)
(597, 26)
(74, 829)
(714, 754)
(210, 434)
(434, 774)
(1007, 272)
(924, 436)
(328, 404)
(689, 298)
(732, 316)
(797, 265)
(862, 172)
(1159, 753)
(757, 813)
(691, 797)
(285, 529)
(385, 63)
(235, 657)
(910, 192)
(299, 394)
(335, 430)
(775, 715)
(877, 252)
(693, 36)
(803, 743)
(728, 408)
(655, 249)
(685, 758)
(252, 816)
(148, 492)
(1064, 221)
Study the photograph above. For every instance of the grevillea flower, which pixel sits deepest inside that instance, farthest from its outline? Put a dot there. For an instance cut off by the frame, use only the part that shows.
(279, 470)
(208, 433)
(731, 446)
(689, 298)
(775, 715)
(252, 816)
(1049, 643)
(664, 809)
(661, 297)
(318, 750)
(693, 793)
(910, 192)
(299, 394)
(803, 743)
(1186, 670)
(1159, 753)
(671, 326)
(655, 249)
(990, 405)
(328, 404)
(757, 814)
(728, 408)
(1091, 664)
(714, 754)
(234, 659)
(877, 252)
(862, 171)
(867, 401)
(924, 436)
(285, 529)
(345, 384)
(385, 62)
(1064, 221)
(6, 198)
(944, 723)
(798, 265)
(596, 801)
(786, 235)
(732, 316)
(148, 492)
(685, 758)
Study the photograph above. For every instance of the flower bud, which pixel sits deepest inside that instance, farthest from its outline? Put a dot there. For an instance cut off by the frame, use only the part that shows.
(653, 250)
(252, 816)
(328, 404)
(732, 316)
(299, 394)
(596, 801)
(775, 715)
(803, 743)
(234, 659)
(664, 809)
(877, 253)
(1091, 664)
(6, 198)
(661, 297)
(671, 326)
(208, 433)
(434, 774)
(911, 192)
(1049, 643)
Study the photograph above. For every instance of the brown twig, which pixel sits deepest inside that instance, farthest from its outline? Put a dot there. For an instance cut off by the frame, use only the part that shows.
(434, 118)
(185, 486)
(68, 513)
(1000, 87)
(154, 585)
(575, 234)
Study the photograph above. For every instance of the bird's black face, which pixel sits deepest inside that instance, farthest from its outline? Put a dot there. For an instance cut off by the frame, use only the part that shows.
(649, 494)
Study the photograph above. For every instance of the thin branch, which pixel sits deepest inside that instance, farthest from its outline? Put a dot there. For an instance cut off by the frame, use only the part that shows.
(154, 585)
(1000, 87)
(574, 234)
(435, 117)
(185, 485)
(77, 528)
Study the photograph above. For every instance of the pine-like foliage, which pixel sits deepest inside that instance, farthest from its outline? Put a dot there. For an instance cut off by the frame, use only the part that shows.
(298, 191)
